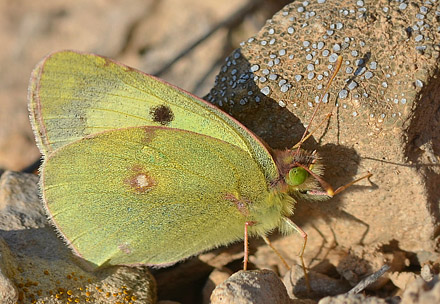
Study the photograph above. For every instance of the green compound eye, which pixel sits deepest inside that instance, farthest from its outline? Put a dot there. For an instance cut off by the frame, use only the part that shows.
(296, 176)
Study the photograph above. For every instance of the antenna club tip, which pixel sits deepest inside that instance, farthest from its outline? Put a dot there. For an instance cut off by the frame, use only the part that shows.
(330, 192)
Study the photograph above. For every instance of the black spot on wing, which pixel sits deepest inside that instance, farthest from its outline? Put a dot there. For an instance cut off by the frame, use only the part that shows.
(162, 114)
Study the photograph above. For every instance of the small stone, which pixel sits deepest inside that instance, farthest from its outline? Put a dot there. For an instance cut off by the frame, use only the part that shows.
(255, 286)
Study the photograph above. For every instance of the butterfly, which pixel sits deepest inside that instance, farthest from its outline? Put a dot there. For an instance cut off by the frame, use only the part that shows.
(138, 171)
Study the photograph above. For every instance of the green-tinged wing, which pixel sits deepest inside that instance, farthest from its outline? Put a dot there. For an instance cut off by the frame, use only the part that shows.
(153, 195)
(72, 95)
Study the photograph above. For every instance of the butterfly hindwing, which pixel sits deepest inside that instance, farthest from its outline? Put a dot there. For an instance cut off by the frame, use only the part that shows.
(151, 195)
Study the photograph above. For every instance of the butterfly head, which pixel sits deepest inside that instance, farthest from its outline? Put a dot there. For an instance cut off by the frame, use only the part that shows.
(300, 174)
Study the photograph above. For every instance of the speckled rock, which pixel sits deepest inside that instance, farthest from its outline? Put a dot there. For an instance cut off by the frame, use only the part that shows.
(352, 299)
(361, 261)
(320, 284)
(385, 114)
(216, 277)
(245, 287)
(421, 291)
(36, 266)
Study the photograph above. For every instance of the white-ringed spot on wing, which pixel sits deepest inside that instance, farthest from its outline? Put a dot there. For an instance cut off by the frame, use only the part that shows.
(141, 181)
(241, 204)
(125, 248)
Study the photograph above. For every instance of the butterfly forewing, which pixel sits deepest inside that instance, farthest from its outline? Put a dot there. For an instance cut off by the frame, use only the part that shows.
(73, 95)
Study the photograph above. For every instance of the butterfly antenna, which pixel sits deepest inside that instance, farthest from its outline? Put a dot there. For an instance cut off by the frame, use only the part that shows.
(338, 67)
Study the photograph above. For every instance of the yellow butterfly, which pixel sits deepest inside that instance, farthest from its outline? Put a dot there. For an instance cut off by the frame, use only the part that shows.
(137, 171)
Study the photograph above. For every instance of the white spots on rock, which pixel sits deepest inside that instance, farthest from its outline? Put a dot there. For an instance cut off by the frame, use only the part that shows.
(282, 82)
(359, 71)
(254, 68)
(336, 47)
(317, 99)
(265, 91)
(343, 94)
(284, 88)
(273, 77)
(333, 58)
(368, 75)
(302, 57)
(403, 6)
(352, 85)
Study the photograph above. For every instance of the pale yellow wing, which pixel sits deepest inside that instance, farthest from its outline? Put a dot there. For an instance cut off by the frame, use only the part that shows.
(72, 95)
(154, 195)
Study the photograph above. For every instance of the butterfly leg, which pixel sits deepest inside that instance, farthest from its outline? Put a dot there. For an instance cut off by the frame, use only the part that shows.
(268, 242)
(246, 245)
(301, 255)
